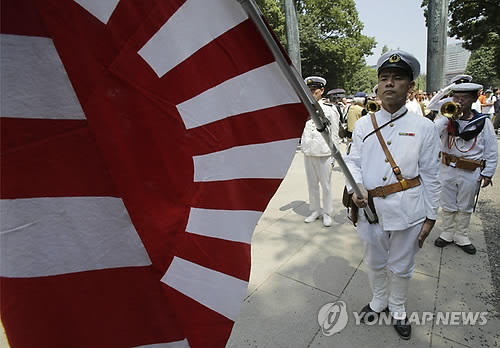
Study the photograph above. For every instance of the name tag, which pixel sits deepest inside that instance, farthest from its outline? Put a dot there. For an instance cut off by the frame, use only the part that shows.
(407, 134)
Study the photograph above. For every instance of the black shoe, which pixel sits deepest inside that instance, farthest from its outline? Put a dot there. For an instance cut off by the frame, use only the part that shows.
(403, 328)
(369, 315)
(469, 248)
(440, 242)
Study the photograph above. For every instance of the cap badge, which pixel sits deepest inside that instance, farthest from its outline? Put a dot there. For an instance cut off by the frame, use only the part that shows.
(394, 58)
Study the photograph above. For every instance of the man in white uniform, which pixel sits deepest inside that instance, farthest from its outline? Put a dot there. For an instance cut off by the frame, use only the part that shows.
(438, 100)
(318, 159)
(406, 197)
(470, 154)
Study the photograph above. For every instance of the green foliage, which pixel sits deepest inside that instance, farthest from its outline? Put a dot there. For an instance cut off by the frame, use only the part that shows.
(385, 49)
(273, 11)
(363, 80)
(421, 83)
(331, 42)
(476, 22)
(481, 67)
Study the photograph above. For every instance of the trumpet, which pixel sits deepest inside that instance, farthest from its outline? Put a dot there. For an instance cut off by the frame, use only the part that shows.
(450, 110)
(372, 106)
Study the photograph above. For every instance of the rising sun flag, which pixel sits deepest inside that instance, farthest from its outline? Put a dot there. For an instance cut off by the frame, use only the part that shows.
(141, 140)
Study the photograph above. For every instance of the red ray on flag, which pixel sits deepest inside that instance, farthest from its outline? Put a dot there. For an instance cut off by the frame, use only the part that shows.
(141, 140)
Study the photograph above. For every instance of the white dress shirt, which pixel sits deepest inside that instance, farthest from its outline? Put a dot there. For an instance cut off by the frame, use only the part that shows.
(414, 144)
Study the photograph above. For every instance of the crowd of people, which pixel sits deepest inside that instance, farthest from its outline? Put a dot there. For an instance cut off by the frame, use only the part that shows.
(423, 103)
(407, 160)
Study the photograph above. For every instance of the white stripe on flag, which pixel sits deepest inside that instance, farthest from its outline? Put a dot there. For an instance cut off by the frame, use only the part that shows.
(195, 24)
(101, 9)
(233, 225)
(265, 161)
(50, 236)
(178, 344)
(257, 89)
(217, 291)
(34, 83)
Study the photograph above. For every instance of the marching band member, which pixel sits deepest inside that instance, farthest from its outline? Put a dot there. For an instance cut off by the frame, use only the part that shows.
(469, 156)
(398, 166)
(438, 100)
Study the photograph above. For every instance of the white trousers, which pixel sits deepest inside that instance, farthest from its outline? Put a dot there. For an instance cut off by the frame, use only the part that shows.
(390, 258)
(388, 290)
(319, 172)
(458, 188)
(455, 225)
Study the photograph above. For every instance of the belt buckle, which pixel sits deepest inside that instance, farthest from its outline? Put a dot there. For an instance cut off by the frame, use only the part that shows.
(453, 164)
(404, 184)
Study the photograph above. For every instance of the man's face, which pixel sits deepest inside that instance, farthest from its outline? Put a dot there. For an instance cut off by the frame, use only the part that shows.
(393, 86)
(464, 99)
(316, 92)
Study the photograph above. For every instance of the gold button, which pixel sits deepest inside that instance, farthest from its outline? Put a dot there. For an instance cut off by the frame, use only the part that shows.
(386, 160)
(389, 142)
(384, 178)
(391, 125)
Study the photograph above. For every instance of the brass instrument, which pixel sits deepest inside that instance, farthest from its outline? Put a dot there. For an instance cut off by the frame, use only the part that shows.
(450, 110)
(372, 106)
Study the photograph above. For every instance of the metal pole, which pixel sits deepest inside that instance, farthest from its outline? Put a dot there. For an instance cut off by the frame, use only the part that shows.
(292, 34)
(436, 44)
(297, 83)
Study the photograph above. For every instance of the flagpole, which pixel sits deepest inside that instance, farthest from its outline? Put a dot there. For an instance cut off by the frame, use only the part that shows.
(305, 96)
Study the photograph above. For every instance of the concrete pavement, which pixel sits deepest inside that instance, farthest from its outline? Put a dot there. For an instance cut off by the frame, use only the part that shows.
(297, 268)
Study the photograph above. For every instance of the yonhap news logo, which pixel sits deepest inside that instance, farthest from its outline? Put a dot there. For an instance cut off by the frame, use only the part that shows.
(333, 318)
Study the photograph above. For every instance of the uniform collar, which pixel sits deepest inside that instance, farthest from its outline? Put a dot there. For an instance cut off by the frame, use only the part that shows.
(387, 115)
(478, 117)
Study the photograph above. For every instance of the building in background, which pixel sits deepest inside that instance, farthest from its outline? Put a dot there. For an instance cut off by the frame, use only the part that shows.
(456, 61)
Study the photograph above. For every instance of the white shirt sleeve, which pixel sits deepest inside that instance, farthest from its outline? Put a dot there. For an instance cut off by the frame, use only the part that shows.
(334, 127)
(434, 102)
(429, 172)
(490, 150)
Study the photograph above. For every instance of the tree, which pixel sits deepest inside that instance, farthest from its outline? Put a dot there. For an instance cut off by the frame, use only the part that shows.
(476, 22)
(421, 83)
(481, 67)
(363, 80)
(385, 49)
(273, 11)
(331, 41)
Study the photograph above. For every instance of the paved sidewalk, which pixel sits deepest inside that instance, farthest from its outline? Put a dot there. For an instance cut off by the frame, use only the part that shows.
(297, 268)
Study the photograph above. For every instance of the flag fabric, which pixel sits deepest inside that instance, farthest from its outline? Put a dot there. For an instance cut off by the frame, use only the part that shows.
(141, 140)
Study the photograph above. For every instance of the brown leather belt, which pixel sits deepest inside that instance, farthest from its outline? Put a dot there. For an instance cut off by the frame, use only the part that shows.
(403, 185)
(461, 163)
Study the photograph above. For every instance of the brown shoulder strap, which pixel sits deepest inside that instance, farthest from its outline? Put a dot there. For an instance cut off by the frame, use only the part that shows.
(387, 153)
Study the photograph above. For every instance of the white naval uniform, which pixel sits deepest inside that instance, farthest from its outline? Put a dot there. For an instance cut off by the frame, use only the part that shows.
(393, 242)
(318, 161)
(460, 186)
